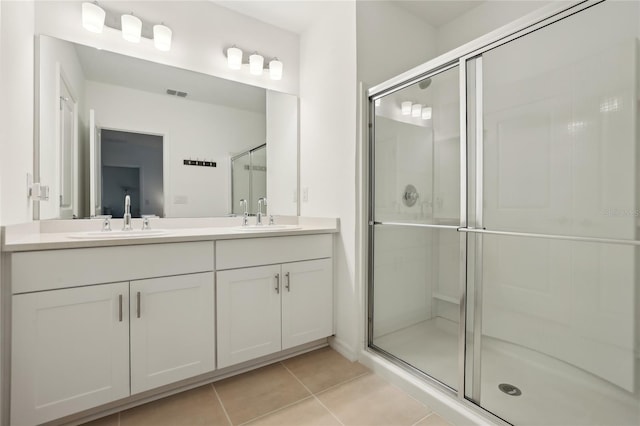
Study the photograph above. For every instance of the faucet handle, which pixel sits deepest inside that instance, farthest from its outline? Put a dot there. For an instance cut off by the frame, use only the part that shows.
(146, 224)
(106, 223)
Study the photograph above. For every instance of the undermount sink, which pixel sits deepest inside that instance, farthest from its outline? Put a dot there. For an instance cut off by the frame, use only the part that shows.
(266, 228)
(119, 234)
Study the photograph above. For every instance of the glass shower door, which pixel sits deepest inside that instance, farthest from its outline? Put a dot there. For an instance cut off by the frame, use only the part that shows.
(555, 244)
(416, 259)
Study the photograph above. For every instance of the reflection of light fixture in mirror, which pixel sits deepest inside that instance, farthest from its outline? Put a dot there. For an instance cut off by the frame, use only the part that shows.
(406, 108)
(256, 64)
(162, 37)
(378, 102)
(426, 113)
(416, 110)
(234, 58)
(131, 28)
(93, 17)
(275, 69)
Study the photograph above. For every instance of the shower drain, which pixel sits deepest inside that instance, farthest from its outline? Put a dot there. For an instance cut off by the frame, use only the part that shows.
(509, 389)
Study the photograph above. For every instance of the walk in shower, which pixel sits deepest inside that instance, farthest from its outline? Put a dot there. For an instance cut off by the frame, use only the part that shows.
(503, 220)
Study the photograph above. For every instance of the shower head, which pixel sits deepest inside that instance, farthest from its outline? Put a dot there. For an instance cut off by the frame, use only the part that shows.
(424, 83)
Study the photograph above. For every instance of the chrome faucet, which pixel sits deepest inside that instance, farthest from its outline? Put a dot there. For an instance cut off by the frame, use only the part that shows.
(261, 202)
(245, 216)
(127, 214)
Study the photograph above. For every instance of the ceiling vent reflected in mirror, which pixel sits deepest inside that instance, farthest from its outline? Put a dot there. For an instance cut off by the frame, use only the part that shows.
(177, 93)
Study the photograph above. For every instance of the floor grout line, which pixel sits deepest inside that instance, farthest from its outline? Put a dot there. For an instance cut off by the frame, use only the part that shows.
(425, 417)
(344, 382)
(314, 395)
(276, 410)
(224, 410)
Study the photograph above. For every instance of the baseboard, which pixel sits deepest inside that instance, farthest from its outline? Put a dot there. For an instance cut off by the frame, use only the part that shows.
(344, 349)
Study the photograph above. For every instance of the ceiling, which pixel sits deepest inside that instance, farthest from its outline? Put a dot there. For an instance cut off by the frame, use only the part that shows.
(120, 70)
(297, 15)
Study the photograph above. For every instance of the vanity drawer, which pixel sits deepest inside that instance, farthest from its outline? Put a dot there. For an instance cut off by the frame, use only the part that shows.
(51, 269)
(232, 254)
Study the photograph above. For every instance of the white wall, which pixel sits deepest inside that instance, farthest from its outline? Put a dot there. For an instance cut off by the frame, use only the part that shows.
(191, 130)
(16, 112)
(56, 56)
(484, 18)
(328, 151)
(390, 41)
(202, 31)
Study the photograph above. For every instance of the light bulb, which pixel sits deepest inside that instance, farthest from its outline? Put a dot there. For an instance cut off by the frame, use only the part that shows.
(234, 58)
(93, 17)
(162, 37)
(416, 110)
(426, 113)
(406, 108)
(275, 69)
(131, 28)
(256, 64)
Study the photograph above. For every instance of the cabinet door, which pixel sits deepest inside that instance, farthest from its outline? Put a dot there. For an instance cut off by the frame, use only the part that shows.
(70, 351)
(248, 304)
(172, 329)
(307, 302)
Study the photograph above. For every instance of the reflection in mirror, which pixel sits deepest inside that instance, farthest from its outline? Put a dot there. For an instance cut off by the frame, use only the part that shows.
(249, 179)
(181, 127)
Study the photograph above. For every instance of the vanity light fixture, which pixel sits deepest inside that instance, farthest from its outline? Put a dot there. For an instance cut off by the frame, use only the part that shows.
(275, 69)
(426, 113)
(131, 28)
(416, 110)
(93, 17)
(406, 108)
(256, 63)
(162, 37)
(234, 58)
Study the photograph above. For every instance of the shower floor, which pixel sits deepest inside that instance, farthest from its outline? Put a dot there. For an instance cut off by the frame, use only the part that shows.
(553, 392)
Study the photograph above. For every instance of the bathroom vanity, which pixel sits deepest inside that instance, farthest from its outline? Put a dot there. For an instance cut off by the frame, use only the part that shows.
(100, 323)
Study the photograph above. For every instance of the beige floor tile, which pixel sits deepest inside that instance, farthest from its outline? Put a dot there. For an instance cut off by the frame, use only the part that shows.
(259, 392)
(433, 420)
(111, 420)
(308, 413)
(198, 406)
(323, 368)
(371, 401)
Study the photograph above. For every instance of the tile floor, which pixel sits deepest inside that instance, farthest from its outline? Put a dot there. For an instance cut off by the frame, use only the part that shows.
(319, 388)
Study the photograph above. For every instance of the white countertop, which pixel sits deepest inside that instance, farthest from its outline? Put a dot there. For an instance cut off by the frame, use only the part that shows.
(55, 234)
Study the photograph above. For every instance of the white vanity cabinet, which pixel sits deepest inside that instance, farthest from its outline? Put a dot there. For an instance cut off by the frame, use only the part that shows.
(70, 351)
(172, 329)
(78, 343)
(265, 309)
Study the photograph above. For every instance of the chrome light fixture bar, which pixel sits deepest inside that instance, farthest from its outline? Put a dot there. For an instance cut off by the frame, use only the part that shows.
(256, 63)
(95, 18)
